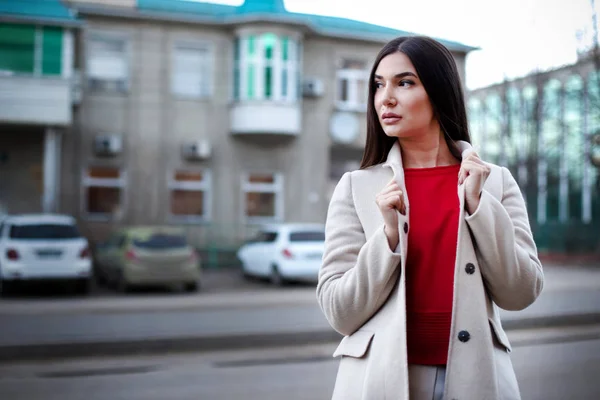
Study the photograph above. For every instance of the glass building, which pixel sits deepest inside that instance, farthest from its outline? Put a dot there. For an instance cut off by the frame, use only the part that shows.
(541, 127)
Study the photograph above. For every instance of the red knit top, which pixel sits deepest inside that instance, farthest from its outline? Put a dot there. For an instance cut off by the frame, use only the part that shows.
(432, 240)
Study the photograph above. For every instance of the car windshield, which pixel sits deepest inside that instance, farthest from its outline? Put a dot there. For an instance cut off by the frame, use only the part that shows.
(307, 236)
(161, 241)
(44, 231)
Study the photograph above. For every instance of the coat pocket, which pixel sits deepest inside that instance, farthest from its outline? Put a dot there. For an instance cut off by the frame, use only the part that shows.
(352, 372)
(355, 345)
(500, 335)
(508, 387)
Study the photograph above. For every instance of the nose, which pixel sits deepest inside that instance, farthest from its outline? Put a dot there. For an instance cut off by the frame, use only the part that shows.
(388, 96)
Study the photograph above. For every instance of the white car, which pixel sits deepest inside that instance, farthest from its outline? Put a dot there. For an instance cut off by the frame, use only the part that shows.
(284, 252)
(43, 247)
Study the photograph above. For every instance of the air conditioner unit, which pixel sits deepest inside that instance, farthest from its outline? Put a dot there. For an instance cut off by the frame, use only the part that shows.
(196, 150)
(313, 88)
(108, 145)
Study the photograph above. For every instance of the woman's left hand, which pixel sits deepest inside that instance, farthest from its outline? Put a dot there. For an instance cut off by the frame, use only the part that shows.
(473, 173)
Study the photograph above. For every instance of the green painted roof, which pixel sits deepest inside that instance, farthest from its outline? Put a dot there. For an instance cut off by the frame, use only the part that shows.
(274, 10)
(43, 11)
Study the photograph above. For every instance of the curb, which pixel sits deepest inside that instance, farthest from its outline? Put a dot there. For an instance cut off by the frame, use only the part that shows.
(161, 346)
(551, 321)
(233, 342)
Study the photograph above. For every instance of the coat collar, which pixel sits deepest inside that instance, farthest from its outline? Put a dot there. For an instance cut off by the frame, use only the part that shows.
(394, 156)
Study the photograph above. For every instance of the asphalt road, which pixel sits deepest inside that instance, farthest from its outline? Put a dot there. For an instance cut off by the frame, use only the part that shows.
(558, 370)
(53, 327)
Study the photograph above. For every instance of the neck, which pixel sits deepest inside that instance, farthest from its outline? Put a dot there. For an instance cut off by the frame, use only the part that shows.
(426, 151)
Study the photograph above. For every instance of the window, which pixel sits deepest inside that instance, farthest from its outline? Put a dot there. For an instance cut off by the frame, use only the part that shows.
(551, 148)
(266, 68)
(28, 49)
(264, 237)
(262, 194)
(514, 138)
(591, 178)
(103, 192)
(44, 231)
(491, 146)
(192, 72)
(107, 62)
(190, 195)
(161, 241)
(574, 146)
(352, 86)
(308, 236)
(475, 119)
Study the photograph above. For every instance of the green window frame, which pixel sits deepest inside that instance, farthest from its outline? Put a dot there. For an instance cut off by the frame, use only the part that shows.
(30, 49)
(17, 48)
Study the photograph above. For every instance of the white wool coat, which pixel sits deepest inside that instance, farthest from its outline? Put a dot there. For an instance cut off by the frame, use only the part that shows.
(361, 287)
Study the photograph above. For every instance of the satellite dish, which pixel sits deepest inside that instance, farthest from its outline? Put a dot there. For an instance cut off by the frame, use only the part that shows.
(343, 127)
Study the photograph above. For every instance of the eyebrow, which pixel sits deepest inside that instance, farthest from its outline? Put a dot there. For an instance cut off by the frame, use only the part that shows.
(398, 76)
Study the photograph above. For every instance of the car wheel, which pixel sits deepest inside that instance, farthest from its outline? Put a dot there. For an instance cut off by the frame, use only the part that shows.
(82, 287)
(122, 285)
(100, 278)
(276, 278)
(7, 288)
(191, 287)
(247, 276)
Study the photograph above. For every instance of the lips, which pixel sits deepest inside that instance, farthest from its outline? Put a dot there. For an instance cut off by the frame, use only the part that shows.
(390, 118)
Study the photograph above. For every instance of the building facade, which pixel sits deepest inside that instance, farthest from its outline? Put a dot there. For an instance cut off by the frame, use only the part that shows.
(544, 127)
(36, 103)
(208, 116)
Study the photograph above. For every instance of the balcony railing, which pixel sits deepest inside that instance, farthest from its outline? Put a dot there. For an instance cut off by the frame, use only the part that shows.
(35, 100)
(266, 118)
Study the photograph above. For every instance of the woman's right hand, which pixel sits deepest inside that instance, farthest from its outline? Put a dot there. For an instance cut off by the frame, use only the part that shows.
(390, 202)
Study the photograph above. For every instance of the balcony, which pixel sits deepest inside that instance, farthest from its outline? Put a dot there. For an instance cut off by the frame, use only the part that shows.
(35, 100)
(266, 118)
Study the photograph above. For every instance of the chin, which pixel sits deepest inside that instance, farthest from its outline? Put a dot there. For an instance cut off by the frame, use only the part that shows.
(393, 133)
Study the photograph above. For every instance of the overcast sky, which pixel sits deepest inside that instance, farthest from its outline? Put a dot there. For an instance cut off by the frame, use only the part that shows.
(515, 36)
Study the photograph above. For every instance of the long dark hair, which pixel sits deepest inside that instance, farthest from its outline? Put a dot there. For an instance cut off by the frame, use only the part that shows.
(437, 70)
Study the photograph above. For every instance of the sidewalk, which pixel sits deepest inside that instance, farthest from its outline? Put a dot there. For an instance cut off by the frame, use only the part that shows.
(258, 315)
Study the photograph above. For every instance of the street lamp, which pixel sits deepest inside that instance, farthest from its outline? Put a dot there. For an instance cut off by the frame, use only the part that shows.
(595, 151)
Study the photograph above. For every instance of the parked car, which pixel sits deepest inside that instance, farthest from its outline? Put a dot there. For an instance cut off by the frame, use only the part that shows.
(146, 256)
(284, 252)
(43, 247)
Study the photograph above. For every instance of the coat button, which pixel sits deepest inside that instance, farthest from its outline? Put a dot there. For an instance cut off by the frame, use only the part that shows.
(464, 336)
(470, 268)
(405, 227)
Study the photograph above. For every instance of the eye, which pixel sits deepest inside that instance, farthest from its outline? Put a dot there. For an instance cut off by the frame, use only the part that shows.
(405, 83)
(378, 85)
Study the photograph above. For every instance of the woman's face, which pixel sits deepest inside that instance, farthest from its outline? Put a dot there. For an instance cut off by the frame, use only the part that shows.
(402, 105)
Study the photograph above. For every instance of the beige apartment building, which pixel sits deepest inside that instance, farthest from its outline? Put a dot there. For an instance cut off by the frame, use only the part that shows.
(208, 116)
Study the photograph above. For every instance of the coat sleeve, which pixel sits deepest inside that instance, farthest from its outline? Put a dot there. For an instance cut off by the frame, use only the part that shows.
(357, 275)
(508, 255)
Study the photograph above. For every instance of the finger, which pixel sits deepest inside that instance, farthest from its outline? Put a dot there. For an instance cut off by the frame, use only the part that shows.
(393, 201)
(476, 160)
(473, 156)
(392, 197)
(473, 167)
(462, 175)
(389, 189)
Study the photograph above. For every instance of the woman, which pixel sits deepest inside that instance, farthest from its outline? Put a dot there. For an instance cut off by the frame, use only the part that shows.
(423, 244)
